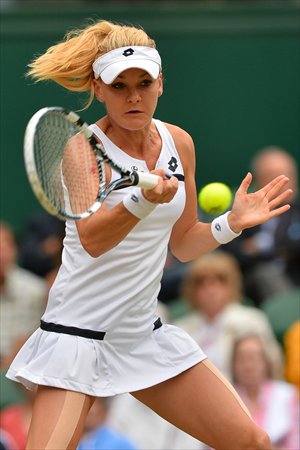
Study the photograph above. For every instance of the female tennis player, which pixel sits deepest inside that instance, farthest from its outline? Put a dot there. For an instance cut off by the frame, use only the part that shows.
(99, 335)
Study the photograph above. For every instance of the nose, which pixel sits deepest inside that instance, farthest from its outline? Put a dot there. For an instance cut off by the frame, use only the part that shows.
(133, 96)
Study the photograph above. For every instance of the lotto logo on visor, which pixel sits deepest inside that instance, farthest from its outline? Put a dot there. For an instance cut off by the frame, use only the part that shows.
(128, 52)
(111, 64)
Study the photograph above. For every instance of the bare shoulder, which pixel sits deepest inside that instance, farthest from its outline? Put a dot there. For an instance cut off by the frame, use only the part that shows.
(179, 135)
(183, 142)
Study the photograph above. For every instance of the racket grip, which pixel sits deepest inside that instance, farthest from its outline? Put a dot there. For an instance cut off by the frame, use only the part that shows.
(146, 180)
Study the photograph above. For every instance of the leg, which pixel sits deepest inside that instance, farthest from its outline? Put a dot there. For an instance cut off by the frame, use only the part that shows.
(58, 419)
(203, 404)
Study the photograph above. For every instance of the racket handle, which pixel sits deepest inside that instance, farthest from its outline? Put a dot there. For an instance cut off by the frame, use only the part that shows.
(146, 180)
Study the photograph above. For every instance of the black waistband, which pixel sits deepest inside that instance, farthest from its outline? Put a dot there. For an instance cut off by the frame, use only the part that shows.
(74, 331)
(157, 324)
(83, 332)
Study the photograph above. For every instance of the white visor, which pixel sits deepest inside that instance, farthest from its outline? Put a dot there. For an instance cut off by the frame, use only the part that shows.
(111, 64)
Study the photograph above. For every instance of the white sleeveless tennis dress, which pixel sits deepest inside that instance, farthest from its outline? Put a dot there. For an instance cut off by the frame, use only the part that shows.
(115, 294)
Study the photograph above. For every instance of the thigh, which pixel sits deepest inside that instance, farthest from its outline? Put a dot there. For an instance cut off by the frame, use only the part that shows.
(201, 402)
(58, 419)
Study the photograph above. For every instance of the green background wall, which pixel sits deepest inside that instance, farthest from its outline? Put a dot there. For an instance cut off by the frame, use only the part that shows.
(231, 74)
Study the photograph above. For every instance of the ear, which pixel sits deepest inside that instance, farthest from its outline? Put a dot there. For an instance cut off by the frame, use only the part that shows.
(98, 90)
(161, 85)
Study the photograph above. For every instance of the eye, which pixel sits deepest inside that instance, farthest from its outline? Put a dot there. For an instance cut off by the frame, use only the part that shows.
(117, 85)
(147, 82)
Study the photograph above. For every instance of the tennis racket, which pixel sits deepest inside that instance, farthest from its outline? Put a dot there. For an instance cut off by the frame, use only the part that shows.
(68, 167)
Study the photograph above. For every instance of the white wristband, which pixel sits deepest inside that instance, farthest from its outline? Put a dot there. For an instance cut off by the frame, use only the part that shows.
(221, 230)
(136, 203)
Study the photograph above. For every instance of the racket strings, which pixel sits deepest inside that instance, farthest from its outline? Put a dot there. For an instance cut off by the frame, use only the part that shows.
(67, 165)
(81, 174)
(49, 142)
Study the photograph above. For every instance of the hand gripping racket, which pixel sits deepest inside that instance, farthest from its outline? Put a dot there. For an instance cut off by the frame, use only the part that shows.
(67, 166)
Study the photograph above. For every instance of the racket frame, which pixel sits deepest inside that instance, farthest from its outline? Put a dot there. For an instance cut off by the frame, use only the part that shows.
(127, 178)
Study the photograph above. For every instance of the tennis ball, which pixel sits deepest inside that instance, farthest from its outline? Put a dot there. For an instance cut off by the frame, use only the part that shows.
(215, 198)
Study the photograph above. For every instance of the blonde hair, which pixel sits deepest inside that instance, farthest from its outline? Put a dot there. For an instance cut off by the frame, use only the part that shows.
(217, 263)
(69, 63)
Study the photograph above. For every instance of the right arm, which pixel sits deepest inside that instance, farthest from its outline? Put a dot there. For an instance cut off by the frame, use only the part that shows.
(106, 228)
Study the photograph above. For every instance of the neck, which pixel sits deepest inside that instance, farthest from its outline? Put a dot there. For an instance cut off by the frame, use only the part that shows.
(253, 392)
(211, 316)
(135, 143)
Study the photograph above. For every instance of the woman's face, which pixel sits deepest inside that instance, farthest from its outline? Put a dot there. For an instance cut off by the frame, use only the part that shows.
(131, 99)
(211, 293)
(250, 366)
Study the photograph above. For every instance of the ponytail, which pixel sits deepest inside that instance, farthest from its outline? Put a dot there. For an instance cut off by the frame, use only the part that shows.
(69, 63)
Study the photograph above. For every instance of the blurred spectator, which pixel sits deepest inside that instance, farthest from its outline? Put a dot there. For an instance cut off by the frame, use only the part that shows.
(15, 419)
(213, 288)
(274, 404)
(269, 254)
(22, 298)
(40, 246)
(292, 354)
(98, 435)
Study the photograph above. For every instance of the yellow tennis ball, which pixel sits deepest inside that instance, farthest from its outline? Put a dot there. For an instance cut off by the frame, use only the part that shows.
(215, 198)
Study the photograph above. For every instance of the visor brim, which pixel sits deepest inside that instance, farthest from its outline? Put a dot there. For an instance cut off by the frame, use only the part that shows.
(110, 73)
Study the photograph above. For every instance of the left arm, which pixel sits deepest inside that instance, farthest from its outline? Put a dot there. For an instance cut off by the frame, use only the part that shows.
(191, 238)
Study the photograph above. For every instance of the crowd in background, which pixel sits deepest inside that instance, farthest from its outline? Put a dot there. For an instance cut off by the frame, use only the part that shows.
(240, 303)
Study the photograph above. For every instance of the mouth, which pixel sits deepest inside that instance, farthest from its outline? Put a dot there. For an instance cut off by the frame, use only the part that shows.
(134, 111)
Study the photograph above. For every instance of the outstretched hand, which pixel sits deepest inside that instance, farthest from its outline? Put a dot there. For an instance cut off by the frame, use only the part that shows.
(250, 209)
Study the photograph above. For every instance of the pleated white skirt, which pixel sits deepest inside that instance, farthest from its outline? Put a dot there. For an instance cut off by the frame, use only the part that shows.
(104, 368)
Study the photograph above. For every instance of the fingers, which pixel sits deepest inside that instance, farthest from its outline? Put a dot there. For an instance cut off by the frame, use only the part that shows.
(161, 172)
(167, 189)
(164, 191)
(244, 186)
(280, 199)
(274, 187)
(278, 211)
